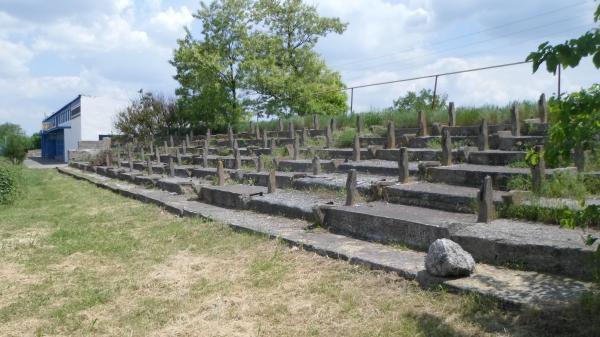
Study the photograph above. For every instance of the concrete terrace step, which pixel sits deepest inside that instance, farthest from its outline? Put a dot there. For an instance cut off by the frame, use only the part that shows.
(545, 248)
(291, 204)
(531, 246)
(414, 154)
(228, 161)
(436, 196)
(495, 157)
(377, 167)
(374, 167)
(509, 143)
(512, 287)
(473, 175)
(305, 165)
(298, 180)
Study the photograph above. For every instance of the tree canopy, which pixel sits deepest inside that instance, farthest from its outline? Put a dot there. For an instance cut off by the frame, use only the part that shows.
(423, 100)
(148, 116)
(13, 142)
(209, 71)
(256, 56)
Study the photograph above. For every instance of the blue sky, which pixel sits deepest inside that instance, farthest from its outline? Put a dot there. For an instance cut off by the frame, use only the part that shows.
(51, 51)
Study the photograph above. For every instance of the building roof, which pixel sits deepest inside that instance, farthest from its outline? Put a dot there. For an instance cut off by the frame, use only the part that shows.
(59, 110)
(55, 129)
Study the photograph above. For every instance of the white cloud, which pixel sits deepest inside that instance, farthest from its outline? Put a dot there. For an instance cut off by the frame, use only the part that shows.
(172, 19)
(13, 58)
(375, 28)
(105, 34)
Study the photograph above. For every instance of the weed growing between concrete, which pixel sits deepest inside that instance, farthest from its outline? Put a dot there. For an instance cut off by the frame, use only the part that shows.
(344, 138)
(560, 185)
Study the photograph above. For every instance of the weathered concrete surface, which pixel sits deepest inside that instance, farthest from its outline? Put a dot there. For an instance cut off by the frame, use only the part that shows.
(532, 246)
(437, 196)
(337, 182)
(282, 179)
(382, 222)
(288, 203)
(146, 180)
(421, 154)
(511, 143)
(422, 142)
(473, 175)
(380, 167)
(495, 157)
(305, 165)
(529, 246)
(176, 185)
(292, 204)
(228, 161)
(514, 288)
(230, 196)
(340, 153)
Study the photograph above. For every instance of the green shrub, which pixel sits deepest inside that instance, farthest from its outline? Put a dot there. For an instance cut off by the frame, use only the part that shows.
(345, 137)
(15, 148)
(372, 119)
(519, 182)
(560, 185)
(565, 184)
(35, 141)
(574, 124)
(564, 216)
(10, 175)
(434, 143)
(592, 184)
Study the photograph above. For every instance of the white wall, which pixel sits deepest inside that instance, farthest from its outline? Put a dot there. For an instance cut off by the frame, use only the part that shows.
(72, 136)
(97, 115)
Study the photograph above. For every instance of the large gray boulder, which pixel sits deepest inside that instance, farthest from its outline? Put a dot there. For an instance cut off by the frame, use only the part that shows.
(446, 258)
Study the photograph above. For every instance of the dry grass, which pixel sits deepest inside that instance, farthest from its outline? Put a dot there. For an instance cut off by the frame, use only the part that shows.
(76, 260)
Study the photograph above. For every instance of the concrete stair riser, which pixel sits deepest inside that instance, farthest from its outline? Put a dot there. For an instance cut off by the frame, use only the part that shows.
(460, 199)
(499, 158)
(473, 175)
(381, 228)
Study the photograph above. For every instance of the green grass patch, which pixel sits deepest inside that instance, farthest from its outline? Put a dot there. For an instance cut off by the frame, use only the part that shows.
(267, 270)
(344, 137)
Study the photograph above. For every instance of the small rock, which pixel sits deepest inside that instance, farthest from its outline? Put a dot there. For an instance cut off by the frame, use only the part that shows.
(447, 258)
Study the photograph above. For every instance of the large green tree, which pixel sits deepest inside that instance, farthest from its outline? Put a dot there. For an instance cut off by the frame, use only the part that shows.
(209, 70)
(256, 56)
(285, 72)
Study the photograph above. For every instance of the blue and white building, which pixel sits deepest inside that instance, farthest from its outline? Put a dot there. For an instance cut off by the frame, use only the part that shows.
(85, 118)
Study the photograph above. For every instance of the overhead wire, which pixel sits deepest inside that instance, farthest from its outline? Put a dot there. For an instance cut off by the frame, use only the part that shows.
(426, 57)
(559, 9)
(531, 29)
